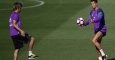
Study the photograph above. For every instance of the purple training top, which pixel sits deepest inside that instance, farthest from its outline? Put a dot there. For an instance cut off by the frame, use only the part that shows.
(99, 20)
(14, 16)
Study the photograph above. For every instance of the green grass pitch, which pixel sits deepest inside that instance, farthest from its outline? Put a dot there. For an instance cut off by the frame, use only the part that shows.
(57, 35)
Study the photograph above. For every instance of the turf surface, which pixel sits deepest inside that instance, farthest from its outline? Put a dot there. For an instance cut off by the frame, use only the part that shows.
(57, 35)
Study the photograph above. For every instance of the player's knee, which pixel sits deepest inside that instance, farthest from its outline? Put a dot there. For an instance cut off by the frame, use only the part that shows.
(94, 41)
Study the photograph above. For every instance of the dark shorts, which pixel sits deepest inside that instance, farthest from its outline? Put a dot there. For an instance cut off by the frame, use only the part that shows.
(19, 40)
(104, 33)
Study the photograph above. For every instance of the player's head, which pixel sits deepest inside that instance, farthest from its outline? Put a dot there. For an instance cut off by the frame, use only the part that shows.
(17, 6)
(94, 3)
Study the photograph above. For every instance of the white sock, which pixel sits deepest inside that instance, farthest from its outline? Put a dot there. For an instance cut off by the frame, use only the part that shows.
(100, 58)
(30, 53)
(102, 52)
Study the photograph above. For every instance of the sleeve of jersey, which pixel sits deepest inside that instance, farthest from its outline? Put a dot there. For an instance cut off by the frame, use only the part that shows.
(98, 17)
(15, 17)
(87, 22)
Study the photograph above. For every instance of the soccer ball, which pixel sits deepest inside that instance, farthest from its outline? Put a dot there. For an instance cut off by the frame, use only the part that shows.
(80, 21)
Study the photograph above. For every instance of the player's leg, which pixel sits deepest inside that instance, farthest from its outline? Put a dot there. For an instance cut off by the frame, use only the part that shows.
(98, 53)
(17, 41)
(31, 43)
(95, 40)
(97, 50)
(16, 54)
(30, 39)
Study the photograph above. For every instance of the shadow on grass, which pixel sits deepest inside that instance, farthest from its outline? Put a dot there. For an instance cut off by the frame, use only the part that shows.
(111, 59)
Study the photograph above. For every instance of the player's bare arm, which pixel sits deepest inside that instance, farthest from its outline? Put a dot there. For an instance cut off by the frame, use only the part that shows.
(20, 30)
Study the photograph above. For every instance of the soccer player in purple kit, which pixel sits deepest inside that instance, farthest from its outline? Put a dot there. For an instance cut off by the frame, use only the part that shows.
(17, 34)
(97, 18)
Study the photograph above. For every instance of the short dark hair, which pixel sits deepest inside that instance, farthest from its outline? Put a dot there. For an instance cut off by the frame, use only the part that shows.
(17, 5)
(96, 1)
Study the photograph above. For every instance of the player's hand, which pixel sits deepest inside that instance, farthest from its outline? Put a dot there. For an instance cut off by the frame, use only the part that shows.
(23, 33)
(82, 24)
(91, 21)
